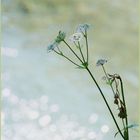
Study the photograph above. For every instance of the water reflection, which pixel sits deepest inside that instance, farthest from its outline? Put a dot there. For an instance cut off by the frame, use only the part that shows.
(64, 127)
(9, 52)
(93, 118)
(105, 128)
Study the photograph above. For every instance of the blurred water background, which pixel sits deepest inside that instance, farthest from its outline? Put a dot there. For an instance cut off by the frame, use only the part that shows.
(45, 97)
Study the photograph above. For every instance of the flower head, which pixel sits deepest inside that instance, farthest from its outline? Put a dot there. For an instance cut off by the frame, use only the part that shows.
(76, 37)
(101, 62)
(82, 28)
(52, 46)
(61, 36)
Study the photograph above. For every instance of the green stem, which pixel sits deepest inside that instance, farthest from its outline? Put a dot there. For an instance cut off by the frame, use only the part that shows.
(126, 119)
(81, 51)
(73, 51)
(67, 58)
(105, 101)
(108, 79)
(86, 44)
(123, 124)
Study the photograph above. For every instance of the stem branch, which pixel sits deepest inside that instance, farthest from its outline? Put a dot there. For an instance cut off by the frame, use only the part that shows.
(67, 58)
(86, 44)
(108, 80)
(73, 51)
(81, 51)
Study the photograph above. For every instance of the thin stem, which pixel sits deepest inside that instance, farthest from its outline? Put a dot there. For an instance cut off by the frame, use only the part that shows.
(67, 58)
(126, 120)
(117, 92)
(108, 79)
(73, 51)
(81, 51)
(57, 52)
(123, 124)
(58, 49)
(76, 45)
(117, 84)
(105, 101)
(86, 44)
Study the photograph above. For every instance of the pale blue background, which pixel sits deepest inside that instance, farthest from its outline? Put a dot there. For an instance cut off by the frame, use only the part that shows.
(45, 97)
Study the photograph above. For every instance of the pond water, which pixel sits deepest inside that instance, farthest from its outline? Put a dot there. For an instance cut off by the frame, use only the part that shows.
(45, 97)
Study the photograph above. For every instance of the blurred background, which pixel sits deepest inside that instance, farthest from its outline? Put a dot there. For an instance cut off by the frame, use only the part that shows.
(44, 97)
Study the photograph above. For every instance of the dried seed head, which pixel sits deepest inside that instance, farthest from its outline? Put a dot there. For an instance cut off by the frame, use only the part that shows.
(116, 101)
(116, 96)
(122, 114)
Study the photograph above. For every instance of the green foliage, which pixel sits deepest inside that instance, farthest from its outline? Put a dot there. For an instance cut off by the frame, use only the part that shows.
(125, 131)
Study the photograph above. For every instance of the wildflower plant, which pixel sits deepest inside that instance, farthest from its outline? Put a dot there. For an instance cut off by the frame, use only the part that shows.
(113, 80)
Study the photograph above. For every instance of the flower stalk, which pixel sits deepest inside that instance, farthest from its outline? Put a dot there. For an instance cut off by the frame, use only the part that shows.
(83, 64)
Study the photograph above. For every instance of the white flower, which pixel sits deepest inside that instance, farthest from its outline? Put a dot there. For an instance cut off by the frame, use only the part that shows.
(101, 62)
(76, 37)
(82, 28)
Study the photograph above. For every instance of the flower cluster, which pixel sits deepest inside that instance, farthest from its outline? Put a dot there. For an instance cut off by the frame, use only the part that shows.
(60, 37)
(80, 32)
(101, 62)
(83, 28)
(52, 46)
(76, 37)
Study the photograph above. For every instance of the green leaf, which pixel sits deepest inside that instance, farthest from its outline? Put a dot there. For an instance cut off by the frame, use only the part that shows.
(132, 125)
(80, 67)
(129, 126)
(116, 133)
(110, 81)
